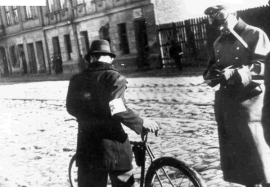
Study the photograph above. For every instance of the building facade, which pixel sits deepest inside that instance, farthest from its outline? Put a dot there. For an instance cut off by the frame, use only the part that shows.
(51, 39)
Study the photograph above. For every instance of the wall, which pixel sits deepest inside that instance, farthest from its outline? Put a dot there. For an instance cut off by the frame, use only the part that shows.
(90, 17)
(24, 39)
(92, 23)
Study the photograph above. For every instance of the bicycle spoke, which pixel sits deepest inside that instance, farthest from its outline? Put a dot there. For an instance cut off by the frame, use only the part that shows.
(167, 176)
(171, 177)
(159, 179)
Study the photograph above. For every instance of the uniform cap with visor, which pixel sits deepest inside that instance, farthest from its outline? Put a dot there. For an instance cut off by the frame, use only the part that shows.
(217, 14)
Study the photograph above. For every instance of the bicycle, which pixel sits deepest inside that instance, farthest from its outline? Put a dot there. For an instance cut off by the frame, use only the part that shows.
(164, 171)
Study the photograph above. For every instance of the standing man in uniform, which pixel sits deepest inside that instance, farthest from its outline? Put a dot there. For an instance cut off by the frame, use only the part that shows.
(266, 105)
(237, 64)
(96, 98)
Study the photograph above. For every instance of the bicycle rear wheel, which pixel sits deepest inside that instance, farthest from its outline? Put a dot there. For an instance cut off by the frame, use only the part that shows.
(167, 171)
(73, 172)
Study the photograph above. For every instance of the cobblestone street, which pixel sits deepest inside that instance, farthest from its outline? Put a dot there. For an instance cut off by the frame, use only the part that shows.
(37, 143)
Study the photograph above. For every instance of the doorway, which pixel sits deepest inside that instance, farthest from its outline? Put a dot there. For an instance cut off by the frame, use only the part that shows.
(141, 43)
(3, 62)
(122, 32)
(22, 58)
(57, 58)
(32, 58)
(41, 59)
(104, 33)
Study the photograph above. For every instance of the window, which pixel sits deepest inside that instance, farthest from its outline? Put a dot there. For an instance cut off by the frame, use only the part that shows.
(7, 15)
(50, 5)
(15, 14)
(28, 12)
(123, 38)
(63, 4)
(68, 46)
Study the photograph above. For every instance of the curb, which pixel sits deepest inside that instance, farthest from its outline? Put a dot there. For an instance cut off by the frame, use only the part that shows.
(168, 72)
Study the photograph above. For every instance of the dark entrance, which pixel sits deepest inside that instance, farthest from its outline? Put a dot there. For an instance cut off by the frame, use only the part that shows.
(57, 58)
(122, 31)
(22, 58)
(3, 62)
(104, 33)
(41, 59)
(32, 58)
(141, 43)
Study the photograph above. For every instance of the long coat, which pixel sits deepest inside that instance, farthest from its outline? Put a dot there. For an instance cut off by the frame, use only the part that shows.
(240, 160)
(102, 142)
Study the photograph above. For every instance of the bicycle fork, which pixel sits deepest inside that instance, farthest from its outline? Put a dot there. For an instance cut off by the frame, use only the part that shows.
(152, 157)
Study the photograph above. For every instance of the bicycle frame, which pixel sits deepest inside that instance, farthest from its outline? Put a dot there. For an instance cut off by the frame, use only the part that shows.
(156, 164)
(146, 148)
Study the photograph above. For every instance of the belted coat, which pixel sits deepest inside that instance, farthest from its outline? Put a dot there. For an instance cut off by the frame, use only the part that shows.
(102, 142)
(240, 160)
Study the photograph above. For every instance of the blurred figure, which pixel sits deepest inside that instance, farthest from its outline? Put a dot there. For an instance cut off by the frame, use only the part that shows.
(237, 64)
(176, 53)
(57, 63)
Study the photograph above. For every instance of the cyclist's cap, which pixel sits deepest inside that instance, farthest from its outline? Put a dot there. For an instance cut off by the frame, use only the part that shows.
(214, 9)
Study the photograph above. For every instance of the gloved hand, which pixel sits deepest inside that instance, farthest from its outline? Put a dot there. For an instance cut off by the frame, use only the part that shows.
(149, 126)
(244, 75)
(226, 75)
(236, 76)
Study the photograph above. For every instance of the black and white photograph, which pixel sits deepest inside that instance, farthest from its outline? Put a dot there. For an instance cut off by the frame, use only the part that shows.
(135, 93)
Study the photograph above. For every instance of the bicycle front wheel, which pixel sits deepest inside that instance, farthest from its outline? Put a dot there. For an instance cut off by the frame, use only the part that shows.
(73, 172)
(167, 171)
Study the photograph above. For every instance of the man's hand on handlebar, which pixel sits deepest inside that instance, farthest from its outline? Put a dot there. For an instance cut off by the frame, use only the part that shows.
(149, 126)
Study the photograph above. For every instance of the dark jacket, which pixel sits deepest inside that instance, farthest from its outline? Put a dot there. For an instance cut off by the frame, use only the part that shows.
(102, 141)
(175, 50)
(266, 105)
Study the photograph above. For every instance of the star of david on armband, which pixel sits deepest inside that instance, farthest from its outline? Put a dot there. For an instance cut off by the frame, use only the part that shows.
(117, 106)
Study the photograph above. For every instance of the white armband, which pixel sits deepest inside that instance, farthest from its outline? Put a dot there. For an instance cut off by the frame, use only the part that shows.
(117, 106)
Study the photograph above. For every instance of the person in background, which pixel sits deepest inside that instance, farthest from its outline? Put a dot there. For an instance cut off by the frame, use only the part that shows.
(96, 98)
(237, 64)
(176, 53)
(57, 63)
